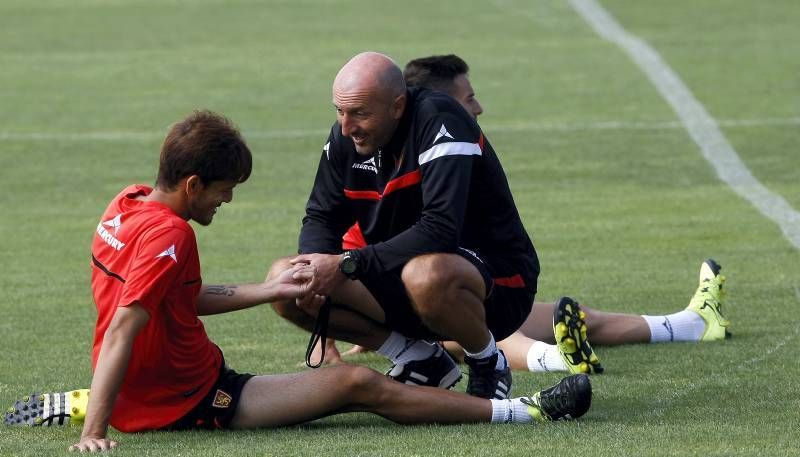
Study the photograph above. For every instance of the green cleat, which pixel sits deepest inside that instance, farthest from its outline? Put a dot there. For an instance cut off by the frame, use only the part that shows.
(48, 409)
(569, 399)
(570, 330)
(707, 302)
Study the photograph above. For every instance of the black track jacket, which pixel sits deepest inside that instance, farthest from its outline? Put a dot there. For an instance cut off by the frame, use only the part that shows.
(436, 186)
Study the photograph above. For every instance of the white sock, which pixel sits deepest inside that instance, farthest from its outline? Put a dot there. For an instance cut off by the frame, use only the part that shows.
(401, 350)
(510, 410)
(543, 357)
(488, 351)
(682, 326)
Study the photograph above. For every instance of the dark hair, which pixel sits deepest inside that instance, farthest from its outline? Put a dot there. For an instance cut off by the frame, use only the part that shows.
(435, 72)
(205, 144)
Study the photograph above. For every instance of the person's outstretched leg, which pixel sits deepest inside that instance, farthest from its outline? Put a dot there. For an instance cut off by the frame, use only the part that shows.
(702, 320)
(277, 400)
(572, 353)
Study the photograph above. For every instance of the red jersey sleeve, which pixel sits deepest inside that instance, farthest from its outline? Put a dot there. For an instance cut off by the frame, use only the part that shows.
(161, 256)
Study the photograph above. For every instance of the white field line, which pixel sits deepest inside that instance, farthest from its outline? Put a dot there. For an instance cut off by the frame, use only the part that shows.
(521, 126)
(663, 403)
(703, 129)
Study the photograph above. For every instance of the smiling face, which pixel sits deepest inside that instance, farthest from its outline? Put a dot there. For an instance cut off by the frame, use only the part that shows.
(367, 116)
(369, 97)
(204, 200)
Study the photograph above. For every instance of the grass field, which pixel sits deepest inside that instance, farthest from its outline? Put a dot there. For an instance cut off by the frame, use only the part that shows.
(620, 203)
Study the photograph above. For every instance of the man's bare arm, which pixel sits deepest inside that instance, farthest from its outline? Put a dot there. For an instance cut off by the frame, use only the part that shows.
(112, 363)
(292, 283)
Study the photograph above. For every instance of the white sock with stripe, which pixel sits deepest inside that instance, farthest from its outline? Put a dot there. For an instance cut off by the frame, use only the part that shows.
(511, 410)
(543, 357)
(685, 325)
(401, 350)
(488, 351)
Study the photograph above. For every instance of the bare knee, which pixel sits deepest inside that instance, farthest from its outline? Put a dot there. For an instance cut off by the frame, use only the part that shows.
(362, 385)
(428, 281)
(439, 284)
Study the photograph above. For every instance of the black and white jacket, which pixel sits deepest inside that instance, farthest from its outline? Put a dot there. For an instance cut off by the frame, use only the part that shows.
(437, 186)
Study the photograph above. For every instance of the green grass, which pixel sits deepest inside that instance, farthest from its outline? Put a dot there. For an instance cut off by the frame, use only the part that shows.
(621, 217)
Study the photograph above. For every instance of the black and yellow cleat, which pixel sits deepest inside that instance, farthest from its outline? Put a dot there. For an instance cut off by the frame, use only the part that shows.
(570, 398)
(48, 409)
(570, 332)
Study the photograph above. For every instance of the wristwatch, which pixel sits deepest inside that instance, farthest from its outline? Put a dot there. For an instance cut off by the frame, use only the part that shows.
(349, 265)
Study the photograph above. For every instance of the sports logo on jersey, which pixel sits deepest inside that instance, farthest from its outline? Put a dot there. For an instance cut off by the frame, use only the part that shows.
(170, 252)
(442, 133)
(222, 399)
(115, 223)
(327, 149)
(106, 236)
(368, 165)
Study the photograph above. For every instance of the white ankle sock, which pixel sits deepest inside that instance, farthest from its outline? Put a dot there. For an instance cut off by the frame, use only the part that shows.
(543, 357)
(511, 410)
(488, 351)
(685, 325)
(400, 349)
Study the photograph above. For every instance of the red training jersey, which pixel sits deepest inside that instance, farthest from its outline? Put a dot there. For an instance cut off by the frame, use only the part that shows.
(144, 253)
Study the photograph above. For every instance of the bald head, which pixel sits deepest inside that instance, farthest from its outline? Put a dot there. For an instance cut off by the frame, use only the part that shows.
(373, 72)
(369, 94)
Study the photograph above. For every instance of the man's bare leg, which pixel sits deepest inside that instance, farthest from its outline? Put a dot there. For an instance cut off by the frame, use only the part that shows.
(360, 322)
(279, 400)
(606, 329)
(447, 292)
(363, 327)
(271, 401)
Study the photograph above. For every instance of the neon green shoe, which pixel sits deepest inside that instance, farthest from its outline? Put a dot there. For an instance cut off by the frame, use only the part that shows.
(570, 398)
(707, 302)
(59, 408)
(570, 330)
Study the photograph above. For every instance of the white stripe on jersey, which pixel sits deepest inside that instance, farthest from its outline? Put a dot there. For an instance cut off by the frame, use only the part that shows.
(453, 148)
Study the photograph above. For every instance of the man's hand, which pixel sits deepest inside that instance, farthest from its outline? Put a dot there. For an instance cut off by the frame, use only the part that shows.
(327, 277)
(90, 444)
(295, 282)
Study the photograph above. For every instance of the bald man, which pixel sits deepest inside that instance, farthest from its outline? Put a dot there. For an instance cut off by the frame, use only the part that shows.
(447, 256)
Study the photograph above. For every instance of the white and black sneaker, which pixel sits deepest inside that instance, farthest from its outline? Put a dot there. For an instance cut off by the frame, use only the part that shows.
(438, 370)
(48, 409)
(485, 380)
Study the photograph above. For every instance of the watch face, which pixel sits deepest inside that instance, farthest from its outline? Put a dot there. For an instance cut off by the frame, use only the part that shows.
(348, 265)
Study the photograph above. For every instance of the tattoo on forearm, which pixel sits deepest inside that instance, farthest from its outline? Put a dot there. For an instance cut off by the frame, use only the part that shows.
(227, 291)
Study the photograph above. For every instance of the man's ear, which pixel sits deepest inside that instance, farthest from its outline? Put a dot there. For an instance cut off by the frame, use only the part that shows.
(398, 106)
(192, 185)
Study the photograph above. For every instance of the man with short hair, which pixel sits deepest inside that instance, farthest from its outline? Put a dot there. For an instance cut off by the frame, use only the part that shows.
(155, 367)
(447, 256)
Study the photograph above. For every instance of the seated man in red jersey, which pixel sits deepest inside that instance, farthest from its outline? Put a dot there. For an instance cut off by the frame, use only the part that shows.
(155, 367)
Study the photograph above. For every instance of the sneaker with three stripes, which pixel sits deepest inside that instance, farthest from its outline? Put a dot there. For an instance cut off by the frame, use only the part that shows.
(438, 370)
(485, 380)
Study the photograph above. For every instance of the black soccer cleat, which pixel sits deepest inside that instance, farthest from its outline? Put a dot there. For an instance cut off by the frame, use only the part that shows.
(485, 381)
(570, 398)
(438, 370)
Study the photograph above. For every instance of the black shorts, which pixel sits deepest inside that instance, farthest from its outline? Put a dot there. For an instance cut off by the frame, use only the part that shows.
(216, 409)
(507, 304)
